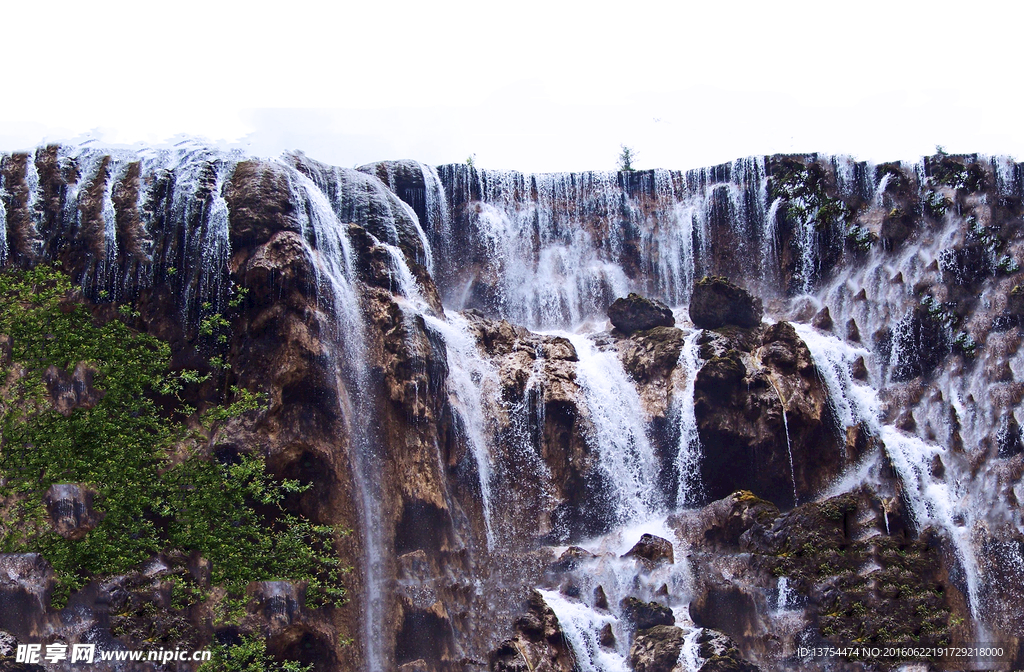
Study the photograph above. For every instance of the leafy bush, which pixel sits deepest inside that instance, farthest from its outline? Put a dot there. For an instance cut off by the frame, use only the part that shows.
(122, 448)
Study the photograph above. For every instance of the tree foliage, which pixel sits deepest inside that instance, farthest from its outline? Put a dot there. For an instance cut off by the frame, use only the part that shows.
(141, 450)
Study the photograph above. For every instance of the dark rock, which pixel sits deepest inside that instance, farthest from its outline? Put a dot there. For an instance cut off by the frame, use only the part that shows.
(571, 558)
(822, 320)
(278, 602)
(652, 549)
(600, 599)
(721, 654)
(643, 615)
(538, 644)
(606, 637)
(6, 350)
(71, 391)
(852, 331)
(70, 506)
(26, 584)
(763, 416)
(652, 354)
(656, 649)
(638, 313)
(716, 302)
(859, 370)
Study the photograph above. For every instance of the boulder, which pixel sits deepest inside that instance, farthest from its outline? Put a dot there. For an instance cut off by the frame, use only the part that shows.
(720, 654)
(74, 390)
(717, 303)
(656, 649)
(643, 615)
(538, 643)
(278, 602)
(652, 549)
(71, 511)
(638, 313)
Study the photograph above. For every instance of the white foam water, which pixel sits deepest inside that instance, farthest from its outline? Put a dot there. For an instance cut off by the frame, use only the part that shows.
(933, 501)
(619, 436)
(689, 490)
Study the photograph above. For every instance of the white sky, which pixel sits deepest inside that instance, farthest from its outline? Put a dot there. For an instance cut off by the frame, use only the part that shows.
(536, 85)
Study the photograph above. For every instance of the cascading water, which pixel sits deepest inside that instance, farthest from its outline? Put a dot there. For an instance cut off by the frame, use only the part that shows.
(933, 501)
(553, 250)
(617, 417)
(688, 455)
(474, 387)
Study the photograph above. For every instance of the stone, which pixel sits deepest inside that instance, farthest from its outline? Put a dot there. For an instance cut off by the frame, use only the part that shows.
(656, 649)
(721, 654)
(822, 320)
(653, 549)
(71, 510)
(71, 391)
(278, 602)
(717, 303)
(643, 615)
(638, 313)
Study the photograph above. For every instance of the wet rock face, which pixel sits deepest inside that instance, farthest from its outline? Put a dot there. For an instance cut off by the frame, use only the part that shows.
(70, 506)
(643, 615)
(653, 549)
(656, 649)
(763, 416)
(717, 303)
(720, 654)
(851, 562)
(26, 584)
(637, 313)
(74, 390)
(538, 644)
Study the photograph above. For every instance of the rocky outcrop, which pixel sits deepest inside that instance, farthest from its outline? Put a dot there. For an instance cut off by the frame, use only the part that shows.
(652, 549)
(656, 649)
(717, 303)
(643, 615)
(538, 645)
(763, 416)
(74, 390)
(638, 313)
(70, 506)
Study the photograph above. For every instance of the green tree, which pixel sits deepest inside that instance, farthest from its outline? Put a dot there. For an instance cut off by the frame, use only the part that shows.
(626, 158)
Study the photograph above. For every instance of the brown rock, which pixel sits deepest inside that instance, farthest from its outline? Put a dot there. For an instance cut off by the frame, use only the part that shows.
(716, 302)
(71, 511)
(638, 313)
(653, 549)
(656, 649)
(68, 392)
(643, 615)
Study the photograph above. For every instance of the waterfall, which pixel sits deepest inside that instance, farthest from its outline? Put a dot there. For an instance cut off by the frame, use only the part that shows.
(688, 457)
(581, 626)
(552, 250)
(619, 436)
(473, 387)
(934, 501)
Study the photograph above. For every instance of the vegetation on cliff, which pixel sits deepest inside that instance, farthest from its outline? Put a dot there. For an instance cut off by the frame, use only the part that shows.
(117, 428)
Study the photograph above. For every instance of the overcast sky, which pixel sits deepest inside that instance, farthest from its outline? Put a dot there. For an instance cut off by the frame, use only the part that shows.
(539, 85)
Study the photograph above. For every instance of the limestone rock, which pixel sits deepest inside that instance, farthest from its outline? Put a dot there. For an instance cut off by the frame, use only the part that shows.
(538, 646)
(643, 615)
(653, 549)
(656, 649)
(279, 603)
(716, 303)
(74, 390)
(637, 313)
(721, 654)
(71, 510)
